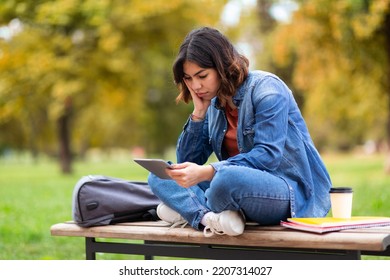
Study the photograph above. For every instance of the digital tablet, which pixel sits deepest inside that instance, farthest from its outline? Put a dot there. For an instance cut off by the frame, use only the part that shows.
(156, 166)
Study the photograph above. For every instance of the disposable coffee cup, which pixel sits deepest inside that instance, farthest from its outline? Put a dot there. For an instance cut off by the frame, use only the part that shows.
(341, 202)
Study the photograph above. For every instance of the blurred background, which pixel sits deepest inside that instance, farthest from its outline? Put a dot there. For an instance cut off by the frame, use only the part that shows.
(84, 78)
(85, 86)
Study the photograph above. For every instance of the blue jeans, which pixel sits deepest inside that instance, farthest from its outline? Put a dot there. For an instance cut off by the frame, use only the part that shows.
(262, 197)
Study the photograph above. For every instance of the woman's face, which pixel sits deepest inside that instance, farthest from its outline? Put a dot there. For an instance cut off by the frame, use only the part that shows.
(205, 82)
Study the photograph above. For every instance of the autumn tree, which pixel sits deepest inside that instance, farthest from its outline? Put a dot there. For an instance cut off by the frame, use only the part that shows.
(93, 73)
(340, 56)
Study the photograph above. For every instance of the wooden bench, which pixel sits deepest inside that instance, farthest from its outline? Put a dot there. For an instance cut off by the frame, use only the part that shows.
(257, 242)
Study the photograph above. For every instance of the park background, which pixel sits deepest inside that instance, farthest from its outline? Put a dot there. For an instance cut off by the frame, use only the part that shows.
(85, 86)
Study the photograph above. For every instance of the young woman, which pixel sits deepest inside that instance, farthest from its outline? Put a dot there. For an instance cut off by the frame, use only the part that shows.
(268, 168)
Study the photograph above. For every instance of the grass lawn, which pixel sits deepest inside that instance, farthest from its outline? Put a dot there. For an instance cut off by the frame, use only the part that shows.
(33, 196)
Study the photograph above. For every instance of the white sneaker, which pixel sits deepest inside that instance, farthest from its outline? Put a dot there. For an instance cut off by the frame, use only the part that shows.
(227, 222)
(170, 216)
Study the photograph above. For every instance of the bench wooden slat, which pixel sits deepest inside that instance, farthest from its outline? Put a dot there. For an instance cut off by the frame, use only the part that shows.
(372, 239)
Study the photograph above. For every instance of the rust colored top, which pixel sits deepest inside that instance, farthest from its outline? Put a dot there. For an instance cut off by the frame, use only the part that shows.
(230, 140)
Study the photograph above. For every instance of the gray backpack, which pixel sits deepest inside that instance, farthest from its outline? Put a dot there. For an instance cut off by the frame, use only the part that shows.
(101, 200)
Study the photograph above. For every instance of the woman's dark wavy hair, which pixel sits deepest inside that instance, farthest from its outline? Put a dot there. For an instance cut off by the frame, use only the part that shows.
(208, 48)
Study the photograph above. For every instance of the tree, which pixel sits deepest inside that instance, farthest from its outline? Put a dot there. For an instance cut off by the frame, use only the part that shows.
(93, 73)
(339, 55)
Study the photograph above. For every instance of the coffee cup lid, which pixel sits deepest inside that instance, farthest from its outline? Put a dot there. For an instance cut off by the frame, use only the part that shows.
(341, 190)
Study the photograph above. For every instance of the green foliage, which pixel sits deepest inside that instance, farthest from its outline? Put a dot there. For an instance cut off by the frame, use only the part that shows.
(105, 64)
(340, 63)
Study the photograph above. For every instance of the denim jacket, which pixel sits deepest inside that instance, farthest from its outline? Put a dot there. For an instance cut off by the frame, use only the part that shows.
(272, 136)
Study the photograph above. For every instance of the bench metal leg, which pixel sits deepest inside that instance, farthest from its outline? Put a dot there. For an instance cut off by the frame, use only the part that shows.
(148, 257)
(90, 253)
